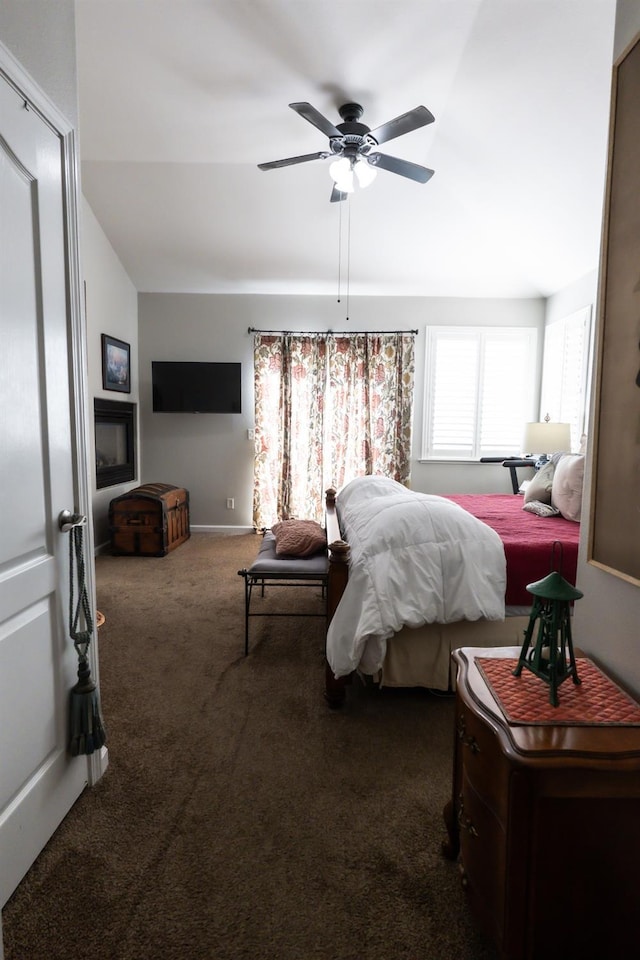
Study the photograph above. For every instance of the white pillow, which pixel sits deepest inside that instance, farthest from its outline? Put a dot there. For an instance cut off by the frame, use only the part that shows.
(566, 491)
(539, 487)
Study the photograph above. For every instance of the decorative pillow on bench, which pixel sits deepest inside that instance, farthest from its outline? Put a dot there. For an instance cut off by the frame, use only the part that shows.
(299, 538)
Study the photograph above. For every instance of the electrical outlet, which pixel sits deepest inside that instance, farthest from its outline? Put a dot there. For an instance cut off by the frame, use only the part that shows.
(251, 434)
(231, 504)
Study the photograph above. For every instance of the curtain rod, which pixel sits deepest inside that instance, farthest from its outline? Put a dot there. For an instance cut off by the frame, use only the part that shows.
(320, 333)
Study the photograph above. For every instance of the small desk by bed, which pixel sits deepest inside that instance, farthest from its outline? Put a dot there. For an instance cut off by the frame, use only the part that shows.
(512, 464)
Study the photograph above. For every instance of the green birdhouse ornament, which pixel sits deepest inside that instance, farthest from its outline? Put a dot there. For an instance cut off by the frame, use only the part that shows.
(550, 656)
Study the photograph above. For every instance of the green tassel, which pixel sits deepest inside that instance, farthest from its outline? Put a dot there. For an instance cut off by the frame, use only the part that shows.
(87, 728)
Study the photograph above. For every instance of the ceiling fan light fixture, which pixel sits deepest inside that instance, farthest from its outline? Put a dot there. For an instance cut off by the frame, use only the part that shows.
(341, 173)
(365, 173)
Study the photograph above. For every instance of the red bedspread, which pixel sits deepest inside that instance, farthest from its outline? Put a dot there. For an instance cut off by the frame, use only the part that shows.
(527, 539)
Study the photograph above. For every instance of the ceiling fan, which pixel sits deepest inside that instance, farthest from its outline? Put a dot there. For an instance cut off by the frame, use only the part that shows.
(352, 147)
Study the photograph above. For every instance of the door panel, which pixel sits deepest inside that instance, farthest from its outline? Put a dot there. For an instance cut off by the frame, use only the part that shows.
(25, 639)
(38, 780)
(20, 388)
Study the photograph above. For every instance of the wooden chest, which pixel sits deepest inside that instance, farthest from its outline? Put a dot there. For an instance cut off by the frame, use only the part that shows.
(150, 520)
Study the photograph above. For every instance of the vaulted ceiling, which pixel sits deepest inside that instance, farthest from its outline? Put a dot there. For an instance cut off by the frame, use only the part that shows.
(181, 99)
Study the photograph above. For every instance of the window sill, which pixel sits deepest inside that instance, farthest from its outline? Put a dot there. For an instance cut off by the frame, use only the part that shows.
(452, 460)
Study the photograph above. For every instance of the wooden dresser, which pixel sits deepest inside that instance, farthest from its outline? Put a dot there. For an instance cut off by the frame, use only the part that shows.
(545, 821)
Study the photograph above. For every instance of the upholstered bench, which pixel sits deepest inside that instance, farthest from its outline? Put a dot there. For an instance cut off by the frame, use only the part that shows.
(276, 571)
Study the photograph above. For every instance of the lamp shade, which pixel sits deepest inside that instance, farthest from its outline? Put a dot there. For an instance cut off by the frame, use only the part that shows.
(341, 172)
(547, 437)
(365, 173)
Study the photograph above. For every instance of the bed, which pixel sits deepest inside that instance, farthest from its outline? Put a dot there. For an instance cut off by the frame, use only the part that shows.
(414, 576)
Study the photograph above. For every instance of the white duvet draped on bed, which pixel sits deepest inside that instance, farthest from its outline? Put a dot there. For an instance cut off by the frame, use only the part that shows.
(415, 559)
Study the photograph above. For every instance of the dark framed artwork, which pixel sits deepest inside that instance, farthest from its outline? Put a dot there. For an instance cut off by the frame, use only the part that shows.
(116, 364)
(614, 543)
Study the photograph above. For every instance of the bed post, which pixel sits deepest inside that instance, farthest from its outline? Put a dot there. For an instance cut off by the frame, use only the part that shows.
(337, 577)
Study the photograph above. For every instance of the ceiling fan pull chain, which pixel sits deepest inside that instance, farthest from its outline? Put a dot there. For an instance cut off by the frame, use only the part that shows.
(339, 247)
(348, 253)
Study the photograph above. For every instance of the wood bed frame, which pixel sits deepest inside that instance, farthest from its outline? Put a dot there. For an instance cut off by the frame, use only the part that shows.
(466, 633)
(337, 577)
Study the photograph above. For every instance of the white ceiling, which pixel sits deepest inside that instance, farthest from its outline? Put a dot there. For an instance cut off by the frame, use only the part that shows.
(181, 99)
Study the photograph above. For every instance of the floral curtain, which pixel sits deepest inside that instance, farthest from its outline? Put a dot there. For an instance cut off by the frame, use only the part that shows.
(290, 381)
(328, 408)
(371, 395)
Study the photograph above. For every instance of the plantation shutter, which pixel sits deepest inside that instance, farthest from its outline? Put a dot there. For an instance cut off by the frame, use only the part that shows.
(479, 390)
(455, 374)
(565, 372)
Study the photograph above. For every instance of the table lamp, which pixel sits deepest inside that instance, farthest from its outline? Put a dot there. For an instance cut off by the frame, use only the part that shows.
(546, 437)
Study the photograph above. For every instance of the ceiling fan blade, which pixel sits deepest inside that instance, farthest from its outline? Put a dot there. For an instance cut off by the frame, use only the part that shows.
(321, 155)
(403, 167)
(418, 117)
(337, 195)
(313, 116)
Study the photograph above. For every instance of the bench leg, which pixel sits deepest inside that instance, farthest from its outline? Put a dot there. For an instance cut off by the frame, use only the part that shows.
(247, 601)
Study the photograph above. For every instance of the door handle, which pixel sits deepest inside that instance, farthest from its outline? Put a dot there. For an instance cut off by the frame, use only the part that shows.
(67, 520)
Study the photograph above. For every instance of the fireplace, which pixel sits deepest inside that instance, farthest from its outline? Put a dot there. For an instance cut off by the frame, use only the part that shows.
(115, 441)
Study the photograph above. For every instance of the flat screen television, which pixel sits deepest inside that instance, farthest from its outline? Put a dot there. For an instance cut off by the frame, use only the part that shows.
(182, 386)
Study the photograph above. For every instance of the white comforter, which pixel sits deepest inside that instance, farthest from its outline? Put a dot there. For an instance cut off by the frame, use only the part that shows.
(415, 559)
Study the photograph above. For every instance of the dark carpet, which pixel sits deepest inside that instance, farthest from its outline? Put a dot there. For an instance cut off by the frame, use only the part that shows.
(239, 817)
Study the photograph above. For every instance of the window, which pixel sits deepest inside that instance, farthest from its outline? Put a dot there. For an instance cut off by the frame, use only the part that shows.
(479, 391)
(565, 372)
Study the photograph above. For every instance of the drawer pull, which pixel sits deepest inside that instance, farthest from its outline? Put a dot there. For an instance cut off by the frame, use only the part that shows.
(465, 822)
(466, 738)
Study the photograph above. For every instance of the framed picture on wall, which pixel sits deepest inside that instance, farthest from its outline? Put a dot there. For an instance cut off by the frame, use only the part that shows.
(615, 520)
(116, 364)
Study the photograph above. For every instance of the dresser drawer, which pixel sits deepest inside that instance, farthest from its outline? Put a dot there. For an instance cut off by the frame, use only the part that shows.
(483, 853)
(483, 762)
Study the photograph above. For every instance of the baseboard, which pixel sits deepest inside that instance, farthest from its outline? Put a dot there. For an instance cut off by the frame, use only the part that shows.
(98, 763)
(195, 528)
(205, 528)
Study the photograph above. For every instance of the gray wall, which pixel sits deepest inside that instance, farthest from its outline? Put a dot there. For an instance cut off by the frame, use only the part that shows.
(111, 307)
(607, 619)
(210, 454)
